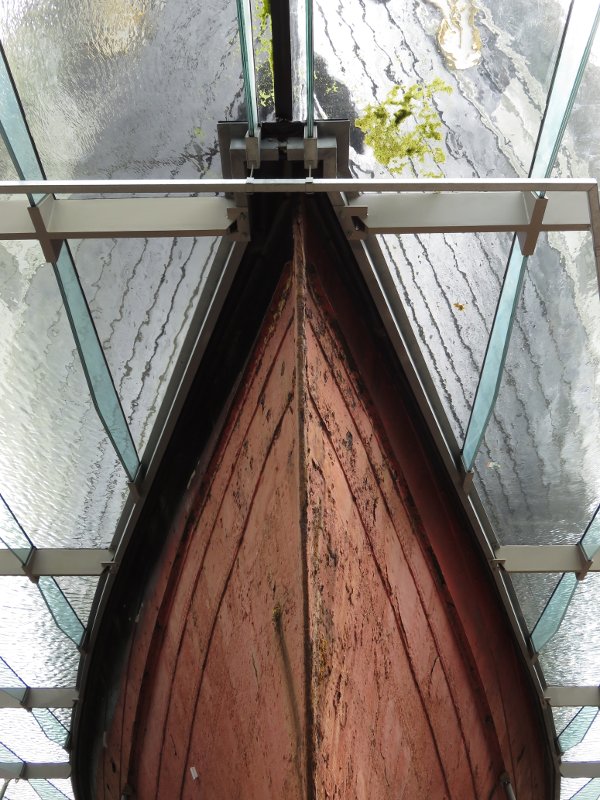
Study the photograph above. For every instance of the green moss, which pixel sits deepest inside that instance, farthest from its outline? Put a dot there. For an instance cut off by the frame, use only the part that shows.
(264, 53)
(405, 127)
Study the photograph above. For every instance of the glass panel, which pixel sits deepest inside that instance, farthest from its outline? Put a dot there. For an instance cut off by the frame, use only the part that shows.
(13, 128)
(310, 70)
(263, 59)
(544, 435)
(590, 541)
(51, 725)
(247, 53)
(449, 286)
(10, 682)
(554, 612)
(125, 90)
(12, 534)
(20, 731)
(142, 294)
(591, 791)
(59, 472)
(64, 616)
(23, 610)
(572, 657)
(79, 591)
(575, 731)
(497, 57)
(46, 790)
(580, 32)
(7, 170)
(298, 48)
(7, 755)
(533, 590)
(94, 363)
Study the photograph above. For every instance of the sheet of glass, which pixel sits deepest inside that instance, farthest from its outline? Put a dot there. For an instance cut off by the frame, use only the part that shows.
(590, 541)
(298, 52)
(24, 612)
(574, 733)
(544, 436)
(310, 70)
(10, 682)
(7, 169)
(589, 791)
(51, 725)
(554, 611)
(449, 285)
(94, 363)
(262, 37)
(20, 731)
(47, 791)
(58, 470)
(142, 294)
(533, 590)
(579, 154)
(496, 57)
(79, 591)
(587, 748)
(125, 90)
(246, 37)
(13, 128)
(60, 608)
(572, 656)
(12, 534)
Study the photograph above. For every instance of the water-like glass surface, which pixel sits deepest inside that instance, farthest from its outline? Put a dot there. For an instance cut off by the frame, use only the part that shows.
(51, 725)
(575, 731)
(142, 294)
(58, 470)
(22, 733)
(544, 435)
(533, 590)
(119, 89)
(497, 57)
(12, 534)
(449, 285)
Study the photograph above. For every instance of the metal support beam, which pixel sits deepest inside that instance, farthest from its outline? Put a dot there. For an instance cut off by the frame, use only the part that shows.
(543, 558)
(28, 771)
(573, 696)
(32, 697)
(580, 769)
(57, 561)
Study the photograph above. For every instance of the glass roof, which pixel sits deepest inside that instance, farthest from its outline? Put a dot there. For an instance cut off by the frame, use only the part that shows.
(120, 90)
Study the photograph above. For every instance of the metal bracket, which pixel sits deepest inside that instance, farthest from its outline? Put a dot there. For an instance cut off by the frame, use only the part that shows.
(253, 150)
(586, 563)
(536, 208)
(311, 149)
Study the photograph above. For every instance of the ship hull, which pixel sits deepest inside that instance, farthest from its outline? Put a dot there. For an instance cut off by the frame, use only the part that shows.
(321, 623)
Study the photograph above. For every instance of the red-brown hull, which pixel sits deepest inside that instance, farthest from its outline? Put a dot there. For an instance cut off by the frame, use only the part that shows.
(321, 624)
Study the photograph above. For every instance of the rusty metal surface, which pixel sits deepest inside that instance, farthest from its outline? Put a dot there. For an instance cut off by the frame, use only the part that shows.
(313, 631)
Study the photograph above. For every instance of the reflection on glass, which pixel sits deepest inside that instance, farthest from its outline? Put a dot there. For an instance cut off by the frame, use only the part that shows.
(94, 363)
(46, 790)
(247, 51)
(12, 534)
(310, 71)
(10, 682)
(533, 590)
(575, 50)
(590, 541)
(7, 755)
(51, 725)
(62, 613)
(575, 731)
(537, 469)
(555, 611)
(591, 791)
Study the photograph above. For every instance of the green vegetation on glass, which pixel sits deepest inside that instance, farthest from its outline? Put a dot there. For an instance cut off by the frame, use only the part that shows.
(405, 127)
(264, 54)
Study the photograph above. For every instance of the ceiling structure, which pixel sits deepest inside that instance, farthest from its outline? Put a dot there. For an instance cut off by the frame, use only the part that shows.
(485, 276)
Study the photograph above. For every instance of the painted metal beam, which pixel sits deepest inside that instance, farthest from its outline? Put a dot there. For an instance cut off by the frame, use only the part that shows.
(544, 558)
(28, 770)
(580, 769)
(59, 561)
(573, 696)
(300, 185)
(38, 697)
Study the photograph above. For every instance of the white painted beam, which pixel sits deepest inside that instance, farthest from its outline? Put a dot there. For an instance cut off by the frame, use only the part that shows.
(59, 561)
(543, 558)
(573, 696)
(28, 770)
(580, 769)
(446, 212)
(41, 697)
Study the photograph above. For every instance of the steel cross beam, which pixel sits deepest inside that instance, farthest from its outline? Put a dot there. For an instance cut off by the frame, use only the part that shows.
(573, 696)
(544, 558)
(58, 562)
(38, 697)
(26, 770)
(580, 769)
